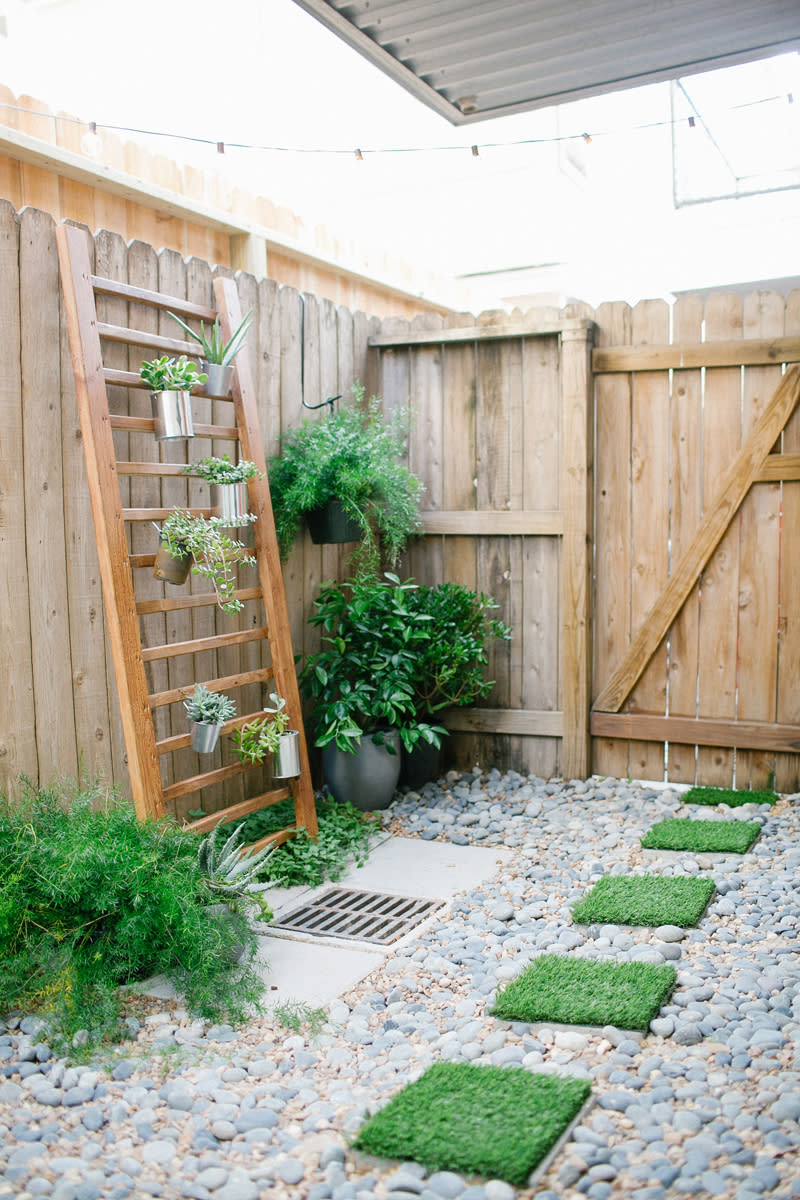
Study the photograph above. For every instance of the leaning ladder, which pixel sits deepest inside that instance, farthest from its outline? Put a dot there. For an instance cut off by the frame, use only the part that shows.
(124, 612)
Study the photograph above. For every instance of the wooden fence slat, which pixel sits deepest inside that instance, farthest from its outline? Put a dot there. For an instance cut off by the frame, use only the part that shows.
(682, 356)
(787, 766)
(698, 731)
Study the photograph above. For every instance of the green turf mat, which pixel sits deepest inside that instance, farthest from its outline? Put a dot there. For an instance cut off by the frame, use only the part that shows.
(644, 900)
(729, 796)
(678, 833)
(580, 991)
(491, 1121)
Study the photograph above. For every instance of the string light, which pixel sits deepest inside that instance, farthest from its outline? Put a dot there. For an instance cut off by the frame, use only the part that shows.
(91, 142)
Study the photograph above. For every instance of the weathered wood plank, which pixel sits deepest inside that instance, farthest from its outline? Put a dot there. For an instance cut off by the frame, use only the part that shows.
(525, 722)
(698, 731)
(486, 523)
(685, 356)
(787, 766)
(499, 329)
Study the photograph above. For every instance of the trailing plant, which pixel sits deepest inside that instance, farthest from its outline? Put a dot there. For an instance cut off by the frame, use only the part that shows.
(214, 349)
(260, 737)
(364, 679)
(222, 470)
(215, 554)
(171, 374)
(232, 870)
(92, 898)
(344, 835)
(354, 456)
(209, 708)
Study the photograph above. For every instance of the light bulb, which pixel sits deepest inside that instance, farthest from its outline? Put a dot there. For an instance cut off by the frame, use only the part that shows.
(91, 142)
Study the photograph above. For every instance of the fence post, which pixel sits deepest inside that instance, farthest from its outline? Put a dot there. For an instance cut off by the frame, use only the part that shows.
(576, 563)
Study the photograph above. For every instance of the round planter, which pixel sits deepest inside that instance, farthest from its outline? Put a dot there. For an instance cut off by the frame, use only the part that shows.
(220, 379)
(419, 766)
(331, 525)
(172, 413)
(204, 737)
(229, 501)
(366, 779)
(286, 761)
(172, 568)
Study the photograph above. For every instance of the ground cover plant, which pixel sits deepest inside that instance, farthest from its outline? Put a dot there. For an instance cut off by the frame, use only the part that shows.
(644, 900)
(679, 833)
(490, 1121)
(344, 834)
(729, 796)
(578, 991)
(91, 899)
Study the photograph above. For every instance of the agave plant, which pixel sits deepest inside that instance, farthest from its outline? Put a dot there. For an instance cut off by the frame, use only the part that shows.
(232, 871)
(214, 349)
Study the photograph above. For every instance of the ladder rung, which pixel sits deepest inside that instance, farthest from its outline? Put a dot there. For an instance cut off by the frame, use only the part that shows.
(217, 642)
(160, 514)
(223, 684)
(195, 783)
(181, 740)
(126, 291)
(149, 468)
(137, 337)
(225, 433)
(266, 800)
(275, 839)
(198, 601)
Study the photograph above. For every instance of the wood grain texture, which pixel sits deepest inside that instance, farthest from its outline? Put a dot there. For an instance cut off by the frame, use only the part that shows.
(684, 355)
(787, 766)
(699, 731)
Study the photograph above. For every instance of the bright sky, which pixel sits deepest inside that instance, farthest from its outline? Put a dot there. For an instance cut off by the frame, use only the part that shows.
(267, 73)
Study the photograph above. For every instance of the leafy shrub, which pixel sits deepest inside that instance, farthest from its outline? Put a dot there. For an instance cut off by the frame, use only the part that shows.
(93, 898)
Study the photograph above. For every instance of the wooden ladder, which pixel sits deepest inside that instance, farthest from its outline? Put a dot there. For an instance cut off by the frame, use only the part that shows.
(152, 754)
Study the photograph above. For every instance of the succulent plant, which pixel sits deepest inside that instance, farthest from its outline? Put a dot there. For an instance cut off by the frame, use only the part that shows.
(232, 870)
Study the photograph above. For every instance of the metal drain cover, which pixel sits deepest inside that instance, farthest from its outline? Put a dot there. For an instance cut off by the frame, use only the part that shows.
(362, 916)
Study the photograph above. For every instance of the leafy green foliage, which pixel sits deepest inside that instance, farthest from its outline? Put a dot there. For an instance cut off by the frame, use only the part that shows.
(344, 833)
(365, 678)
(645, 900)
(477, 1120)
(355, 456)
(222, 470)
(729, 796)
(579, 991)
(93, 898)
(209, 708)
(296, 1015)
(171, 374)
(215, 554)
(733, 837)
(260, 737)
(214, 349)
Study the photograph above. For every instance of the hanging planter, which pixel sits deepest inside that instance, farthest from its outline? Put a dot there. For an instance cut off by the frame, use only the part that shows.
(170, 381)
(269, 735)
(331, 524)
(217, 355)
(207, 712)
(172, 565)
(287, 756)
(228, 482)
(220, 379)
(230, 503)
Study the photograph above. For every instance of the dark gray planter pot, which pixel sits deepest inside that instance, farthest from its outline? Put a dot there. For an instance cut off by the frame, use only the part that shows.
(366, 779)
(331, 525)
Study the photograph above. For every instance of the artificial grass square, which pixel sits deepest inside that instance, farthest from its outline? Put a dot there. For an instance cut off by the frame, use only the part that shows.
(644, 900)
(679, 833)
(729, 796)
(579, 991)
(492, 1121)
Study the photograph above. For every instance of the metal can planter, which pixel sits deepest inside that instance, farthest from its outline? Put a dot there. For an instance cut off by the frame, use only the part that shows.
(172, 568)
(172, 413)
(205, 737)
(286, 763)
(229, 501)
(220, 379)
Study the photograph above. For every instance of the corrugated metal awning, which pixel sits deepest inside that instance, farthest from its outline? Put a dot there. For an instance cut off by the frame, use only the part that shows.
(475, 59)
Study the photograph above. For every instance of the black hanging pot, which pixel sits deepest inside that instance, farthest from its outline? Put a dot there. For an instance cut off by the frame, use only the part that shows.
(331, 524)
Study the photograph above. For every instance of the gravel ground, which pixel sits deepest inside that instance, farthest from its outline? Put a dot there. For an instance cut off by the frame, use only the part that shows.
(707, 1104)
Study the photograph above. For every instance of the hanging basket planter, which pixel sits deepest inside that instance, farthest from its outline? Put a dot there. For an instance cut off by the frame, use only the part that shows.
(172, 414)
(331, 525)
(172, 568)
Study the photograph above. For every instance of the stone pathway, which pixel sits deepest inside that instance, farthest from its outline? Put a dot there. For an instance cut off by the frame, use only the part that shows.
(708, 1103)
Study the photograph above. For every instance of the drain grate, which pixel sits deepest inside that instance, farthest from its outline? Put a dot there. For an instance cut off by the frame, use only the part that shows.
(362, 916)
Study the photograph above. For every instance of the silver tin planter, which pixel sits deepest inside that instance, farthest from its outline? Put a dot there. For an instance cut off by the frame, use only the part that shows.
(229, 501)
(172, 413)
(204, 737)
(220, 379)
(286, 762)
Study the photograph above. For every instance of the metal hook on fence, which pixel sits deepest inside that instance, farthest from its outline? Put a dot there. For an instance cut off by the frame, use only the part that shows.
(331, 400)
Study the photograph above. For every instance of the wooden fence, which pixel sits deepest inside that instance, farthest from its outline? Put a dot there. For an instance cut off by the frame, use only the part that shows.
(576, 543)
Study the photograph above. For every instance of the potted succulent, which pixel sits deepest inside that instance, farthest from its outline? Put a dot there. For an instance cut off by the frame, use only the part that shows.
(362, 686)
(228, 482)
(351, 460)
(170, 381)
(270, 735)
(214, 554)
(231, 877)
(207, 711)
(217, 355)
